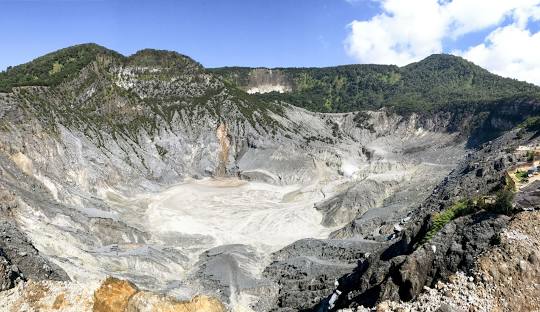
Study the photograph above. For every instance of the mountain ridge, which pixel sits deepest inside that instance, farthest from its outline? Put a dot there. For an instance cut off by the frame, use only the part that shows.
(435, 83)
(439, 84)
(449, 79)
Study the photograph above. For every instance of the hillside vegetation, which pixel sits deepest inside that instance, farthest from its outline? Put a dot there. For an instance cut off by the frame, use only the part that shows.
(92, 88)
(53, 68)
(437, 82)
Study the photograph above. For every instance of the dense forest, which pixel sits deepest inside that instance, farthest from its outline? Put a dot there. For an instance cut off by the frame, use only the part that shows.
(65, 64)
(438, 82)
(53, 68)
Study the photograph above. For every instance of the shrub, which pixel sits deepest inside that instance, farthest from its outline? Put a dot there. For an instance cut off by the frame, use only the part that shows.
(531, 123)
(440, 219)
(503, 203)
(530, 156)
(521, 175)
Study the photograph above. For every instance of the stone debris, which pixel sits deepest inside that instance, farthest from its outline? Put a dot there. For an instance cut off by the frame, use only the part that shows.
(113, 295)
(48, 296)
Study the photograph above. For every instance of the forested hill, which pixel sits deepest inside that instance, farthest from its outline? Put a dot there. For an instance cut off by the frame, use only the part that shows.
(53, 68)
(438, 82)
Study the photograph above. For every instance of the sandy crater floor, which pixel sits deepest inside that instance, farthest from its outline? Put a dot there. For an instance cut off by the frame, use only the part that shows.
(233, 211)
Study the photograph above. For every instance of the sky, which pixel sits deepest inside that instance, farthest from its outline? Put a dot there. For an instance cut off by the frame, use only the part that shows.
(500, 35)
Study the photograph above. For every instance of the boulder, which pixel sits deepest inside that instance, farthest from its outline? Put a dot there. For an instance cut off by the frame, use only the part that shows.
(113, 295)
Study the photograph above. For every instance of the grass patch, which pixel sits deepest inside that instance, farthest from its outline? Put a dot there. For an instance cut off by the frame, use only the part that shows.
(440, 219)
(522, 176)
(501, 205)
(531, 123)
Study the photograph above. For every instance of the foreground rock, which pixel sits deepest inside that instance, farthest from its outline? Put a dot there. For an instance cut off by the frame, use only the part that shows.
(22, 258)
(529, 197)
(505, 278)
(113, 295)
(511, 272)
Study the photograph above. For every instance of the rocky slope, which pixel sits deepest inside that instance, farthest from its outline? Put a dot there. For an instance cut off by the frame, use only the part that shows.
(103, 168)
(401, 271)
(504, 278)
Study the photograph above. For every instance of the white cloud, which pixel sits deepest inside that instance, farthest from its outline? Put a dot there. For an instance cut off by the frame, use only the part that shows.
(464, 16)
(394, 36)
(407, 31)
(509, 51)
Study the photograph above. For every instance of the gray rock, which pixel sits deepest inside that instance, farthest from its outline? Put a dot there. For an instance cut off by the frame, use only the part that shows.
(306, 270)
(8, 273)
(225, 272)
(529, 197)
(20, 253)
(400, 271)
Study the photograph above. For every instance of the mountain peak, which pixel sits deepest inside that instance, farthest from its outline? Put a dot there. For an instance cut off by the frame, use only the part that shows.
(53, 68)
(162, 58)
(441, 62)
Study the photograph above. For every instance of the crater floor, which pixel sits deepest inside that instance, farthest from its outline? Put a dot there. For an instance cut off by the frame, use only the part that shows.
(177, 239)
(232, 211)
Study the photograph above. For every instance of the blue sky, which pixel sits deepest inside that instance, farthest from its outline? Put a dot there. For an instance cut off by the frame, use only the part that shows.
(500, 35)
(216, 33)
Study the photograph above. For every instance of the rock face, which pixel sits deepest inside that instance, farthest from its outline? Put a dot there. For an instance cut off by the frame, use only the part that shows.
(19, 259)
(225, 268)
(504, 278)
(225, 144)
(24, 258)
(529, 197)
(8, 274)
(355, 200)
(262, 80)
(454, 248)
(305, 270)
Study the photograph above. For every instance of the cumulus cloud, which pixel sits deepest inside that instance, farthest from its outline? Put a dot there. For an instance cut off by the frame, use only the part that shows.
(394, 35)
(510, 51)
(407, 31)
